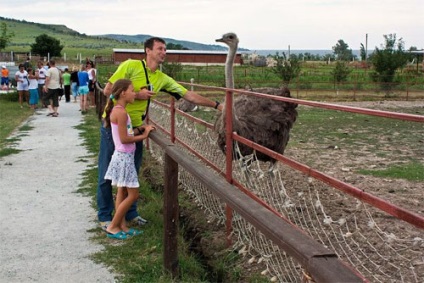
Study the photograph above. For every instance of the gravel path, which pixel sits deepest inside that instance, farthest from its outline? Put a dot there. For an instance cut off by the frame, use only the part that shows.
(45, 223)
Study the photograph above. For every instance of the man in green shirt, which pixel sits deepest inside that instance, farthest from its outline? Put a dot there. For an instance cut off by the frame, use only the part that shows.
(148, 80)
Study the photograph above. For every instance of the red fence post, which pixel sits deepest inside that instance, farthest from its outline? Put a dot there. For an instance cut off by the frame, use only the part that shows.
(229, 156)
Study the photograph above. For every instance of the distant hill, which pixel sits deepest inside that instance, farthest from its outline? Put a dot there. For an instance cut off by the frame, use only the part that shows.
(75, 42)
(140, 38)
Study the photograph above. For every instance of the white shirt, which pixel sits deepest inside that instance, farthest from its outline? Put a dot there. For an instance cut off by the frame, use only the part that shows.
(42, 76)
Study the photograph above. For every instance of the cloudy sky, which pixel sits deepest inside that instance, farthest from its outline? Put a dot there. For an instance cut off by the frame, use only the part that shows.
(260, 24)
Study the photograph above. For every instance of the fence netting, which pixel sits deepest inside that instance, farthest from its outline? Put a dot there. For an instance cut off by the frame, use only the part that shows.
(379, 246)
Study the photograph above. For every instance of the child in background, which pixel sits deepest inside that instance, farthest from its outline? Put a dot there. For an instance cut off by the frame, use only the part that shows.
(83, 89)
(4, 78)
(121, 170)
(33, 88)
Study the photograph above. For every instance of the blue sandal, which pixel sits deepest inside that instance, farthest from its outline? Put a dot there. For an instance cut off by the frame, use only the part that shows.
(133, 232)
(121, 235)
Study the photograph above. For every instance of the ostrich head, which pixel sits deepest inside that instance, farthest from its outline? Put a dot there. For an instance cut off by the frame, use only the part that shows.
(232, 41)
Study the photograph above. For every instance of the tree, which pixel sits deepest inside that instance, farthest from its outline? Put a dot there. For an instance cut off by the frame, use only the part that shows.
(387, 60)
(340, 74)
(172, 46)
(342, 51)
(286, 69)
(5, 37)
(173, 69)
(45, 45)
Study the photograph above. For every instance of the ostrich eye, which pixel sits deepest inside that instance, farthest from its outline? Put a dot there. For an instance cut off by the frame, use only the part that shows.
(231, 37)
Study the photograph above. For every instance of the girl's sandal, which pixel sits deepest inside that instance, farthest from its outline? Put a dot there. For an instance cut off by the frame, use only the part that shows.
(55, 114)
(121, 235)
(133, 232)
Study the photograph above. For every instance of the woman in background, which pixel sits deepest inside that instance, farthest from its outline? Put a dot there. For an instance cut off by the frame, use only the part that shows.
(21, 77)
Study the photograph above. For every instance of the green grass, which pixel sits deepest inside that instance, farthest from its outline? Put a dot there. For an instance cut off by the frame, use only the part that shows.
(412, 171)
(11, 117)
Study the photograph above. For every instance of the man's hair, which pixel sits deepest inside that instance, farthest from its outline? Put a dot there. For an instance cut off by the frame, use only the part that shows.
(149, 42)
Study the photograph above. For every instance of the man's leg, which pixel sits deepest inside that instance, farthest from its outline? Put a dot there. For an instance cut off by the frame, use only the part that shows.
(105, 202)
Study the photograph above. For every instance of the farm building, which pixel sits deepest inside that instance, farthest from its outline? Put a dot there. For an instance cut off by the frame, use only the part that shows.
(191, 57)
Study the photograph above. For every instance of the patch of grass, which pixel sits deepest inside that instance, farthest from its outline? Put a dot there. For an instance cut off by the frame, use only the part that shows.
(356, 134)
(412, 171)
(11, 116)
(8, 151)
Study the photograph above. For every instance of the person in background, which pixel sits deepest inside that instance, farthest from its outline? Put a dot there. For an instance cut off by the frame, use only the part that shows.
(21, 77)
(52, 88)
(121, 170)
(83, 89)
(74, 83)
(138, 72)
(66, 78)
(4, 78)
(33, 88)
(40, 73)
(27, 64)
(92, 72)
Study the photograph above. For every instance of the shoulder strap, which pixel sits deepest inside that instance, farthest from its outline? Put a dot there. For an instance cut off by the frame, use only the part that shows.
(143, 117)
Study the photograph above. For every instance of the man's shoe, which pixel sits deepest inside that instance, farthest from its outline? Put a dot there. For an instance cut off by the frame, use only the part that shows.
(104, 225)
(139, 221)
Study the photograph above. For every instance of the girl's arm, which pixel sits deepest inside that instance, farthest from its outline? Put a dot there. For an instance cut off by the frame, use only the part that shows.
(120, 116)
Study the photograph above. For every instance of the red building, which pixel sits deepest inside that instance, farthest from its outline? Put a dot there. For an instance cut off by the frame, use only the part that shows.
(187, 57)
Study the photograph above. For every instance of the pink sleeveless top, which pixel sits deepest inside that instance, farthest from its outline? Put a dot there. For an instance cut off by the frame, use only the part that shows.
(119, 146)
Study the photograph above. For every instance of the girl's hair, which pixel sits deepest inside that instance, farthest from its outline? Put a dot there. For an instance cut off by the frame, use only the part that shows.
(119, 86)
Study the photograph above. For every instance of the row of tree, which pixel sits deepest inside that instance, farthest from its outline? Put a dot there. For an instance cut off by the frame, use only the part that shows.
(385, 61)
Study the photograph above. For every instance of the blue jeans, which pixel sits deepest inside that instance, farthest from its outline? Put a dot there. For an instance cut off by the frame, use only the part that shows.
(105, 201)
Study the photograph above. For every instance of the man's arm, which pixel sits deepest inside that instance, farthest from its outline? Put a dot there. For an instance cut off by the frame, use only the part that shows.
(142, 94)
(201, 100)
(46, 83)
(107, 90)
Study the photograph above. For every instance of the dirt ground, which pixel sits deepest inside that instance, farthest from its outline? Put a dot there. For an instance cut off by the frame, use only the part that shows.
(403, 193)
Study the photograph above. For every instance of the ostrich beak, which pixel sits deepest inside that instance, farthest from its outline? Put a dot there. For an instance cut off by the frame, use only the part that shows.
(219, 40)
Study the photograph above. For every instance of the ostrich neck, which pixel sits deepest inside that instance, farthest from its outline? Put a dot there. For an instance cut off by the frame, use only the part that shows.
(229, 77)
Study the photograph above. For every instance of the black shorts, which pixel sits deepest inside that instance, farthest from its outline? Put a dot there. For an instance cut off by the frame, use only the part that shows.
(52, 94)
(90, 85)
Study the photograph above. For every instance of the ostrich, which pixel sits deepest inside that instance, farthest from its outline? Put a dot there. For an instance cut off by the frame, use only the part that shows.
(264, 121)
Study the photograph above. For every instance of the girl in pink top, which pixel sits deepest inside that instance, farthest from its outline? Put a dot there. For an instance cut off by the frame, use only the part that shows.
(121, 170)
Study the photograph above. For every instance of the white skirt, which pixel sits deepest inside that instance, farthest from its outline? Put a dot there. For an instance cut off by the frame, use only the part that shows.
(121, 170)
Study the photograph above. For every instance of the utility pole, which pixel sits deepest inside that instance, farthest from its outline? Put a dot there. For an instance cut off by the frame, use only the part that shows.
(366, 46)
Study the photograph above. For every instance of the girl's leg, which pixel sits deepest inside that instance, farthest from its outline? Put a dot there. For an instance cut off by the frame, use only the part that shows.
(131, 198)
(85, 103)
(114, 226)
(20, 93)
(82, 102)
(121, 209)
(26, 93)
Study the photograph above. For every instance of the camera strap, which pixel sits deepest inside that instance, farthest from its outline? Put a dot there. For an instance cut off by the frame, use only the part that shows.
(143, 117)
